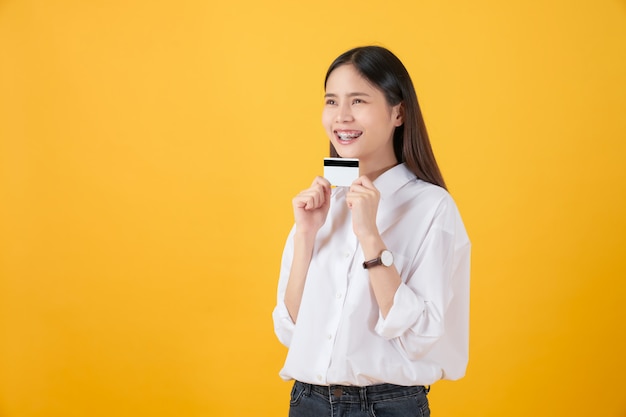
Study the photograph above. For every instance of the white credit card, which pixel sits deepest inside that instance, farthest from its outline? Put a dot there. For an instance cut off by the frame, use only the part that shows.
(341, 172)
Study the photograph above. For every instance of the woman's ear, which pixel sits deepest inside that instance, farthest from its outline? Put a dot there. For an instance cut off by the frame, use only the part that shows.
(398, 114)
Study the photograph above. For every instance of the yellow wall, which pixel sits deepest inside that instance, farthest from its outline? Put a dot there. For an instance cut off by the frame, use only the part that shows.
(149, 151)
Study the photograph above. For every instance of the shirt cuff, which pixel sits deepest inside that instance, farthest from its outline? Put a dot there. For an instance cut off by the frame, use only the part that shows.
(283, 325)
(404, 312)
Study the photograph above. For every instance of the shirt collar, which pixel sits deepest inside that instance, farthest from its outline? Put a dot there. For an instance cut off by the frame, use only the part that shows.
(393, 179)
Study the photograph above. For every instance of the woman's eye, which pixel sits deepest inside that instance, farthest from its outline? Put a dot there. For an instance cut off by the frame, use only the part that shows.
(330, 101)
(357, 101)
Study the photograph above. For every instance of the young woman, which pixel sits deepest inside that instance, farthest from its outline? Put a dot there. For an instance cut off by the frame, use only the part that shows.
(373, 294)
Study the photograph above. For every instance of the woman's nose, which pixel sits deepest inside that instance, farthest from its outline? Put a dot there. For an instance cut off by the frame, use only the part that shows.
(344, 114)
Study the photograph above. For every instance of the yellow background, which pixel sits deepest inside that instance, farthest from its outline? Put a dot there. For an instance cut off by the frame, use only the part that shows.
(149, 151)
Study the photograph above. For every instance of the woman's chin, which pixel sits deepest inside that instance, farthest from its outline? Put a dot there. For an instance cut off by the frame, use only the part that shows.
(346, 151)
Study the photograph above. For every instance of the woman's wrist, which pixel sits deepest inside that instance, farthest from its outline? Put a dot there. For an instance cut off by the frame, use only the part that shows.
(304, 242)
(372, 246)
(304, 236)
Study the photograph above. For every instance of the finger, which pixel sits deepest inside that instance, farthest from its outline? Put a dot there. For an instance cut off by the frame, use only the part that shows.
(322, 182)
(364, 181)
(311, 201)
(361, 180)
(324, 187)
(361, 190)
(358, 188)
(300, 201)
(311, 198)
(354, 198)
(315, 196)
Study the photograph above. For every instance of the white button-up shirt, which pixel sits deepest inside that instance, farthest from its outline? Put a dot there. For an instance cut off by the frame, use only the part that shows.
(340, 336)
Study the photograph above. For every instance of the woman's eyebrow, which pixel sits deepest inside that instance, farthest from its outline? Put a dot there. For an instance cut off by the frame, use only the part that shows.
(349, 94)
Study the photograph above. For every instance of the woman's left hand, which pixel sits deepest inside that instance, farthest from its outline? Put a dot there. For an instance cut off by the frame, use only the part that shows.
(362, 199)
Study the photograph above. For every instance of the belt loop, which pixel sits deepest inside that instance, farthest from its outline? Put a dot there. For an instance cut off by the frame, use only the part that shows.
(427, 389)
(307, 389)
(363, 395)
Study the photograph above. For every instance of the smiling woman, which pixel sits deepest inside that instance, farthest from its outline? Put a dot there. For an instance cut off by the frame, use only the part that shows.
(374, 285)
(359, 121)
(394, 87)
(147, 149)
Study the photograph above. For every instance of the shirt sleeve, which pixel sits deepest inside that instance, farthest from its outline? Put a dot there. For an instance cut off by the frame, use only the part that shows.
(283, 325)
(436, 278)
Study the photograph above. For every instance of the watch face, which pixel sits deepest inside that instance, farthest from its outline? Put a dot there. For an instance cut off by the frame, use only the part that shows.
(386, 258)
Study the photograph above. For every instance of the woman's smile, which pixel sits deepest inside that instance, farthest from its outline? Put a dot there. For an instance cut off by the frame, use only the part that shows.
(358, 120)
(347, 136)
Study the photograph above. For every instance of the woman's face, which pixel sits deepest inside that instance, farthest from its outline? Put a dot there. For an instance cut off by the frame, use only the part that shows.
(358, 120)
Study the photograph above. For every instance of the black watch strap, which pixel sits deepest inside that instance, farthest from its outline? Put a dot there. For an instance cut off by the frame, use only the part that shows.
(372, 263)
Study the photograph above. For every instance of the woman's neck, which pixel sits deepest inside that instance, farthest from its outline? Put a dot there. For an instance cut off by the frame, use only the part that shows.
(377, 171)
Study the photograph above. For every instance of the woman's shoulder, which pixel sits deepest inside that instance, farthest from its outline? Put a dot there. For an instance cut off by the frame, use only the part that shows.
(426, 190)
(429, 198)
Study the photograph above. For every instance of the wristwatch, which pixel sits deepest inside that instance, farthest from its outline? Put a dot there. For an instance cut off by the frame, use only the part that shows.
(385, 259)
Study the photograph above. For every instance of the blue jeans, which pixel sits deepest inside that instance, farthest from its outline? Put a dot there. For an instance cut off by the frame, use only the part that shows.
(384, 400)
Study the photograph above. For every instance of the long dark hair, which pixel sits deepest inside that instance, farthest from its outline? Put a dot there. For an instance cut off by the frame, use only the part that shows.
(410, 140)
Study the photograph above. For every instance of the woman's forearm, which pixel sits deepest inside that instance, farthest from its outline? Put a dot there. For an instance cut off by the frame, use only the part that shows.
(384, 280)
(303, 251)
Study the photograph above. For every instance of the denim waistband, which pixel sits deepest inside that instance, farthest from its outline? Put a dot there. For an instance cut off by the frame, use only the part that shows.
(370, 393)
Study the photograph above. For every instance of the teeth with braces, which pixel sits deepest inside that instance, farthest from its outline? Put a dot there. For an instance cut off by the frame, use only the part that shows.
(348, 136)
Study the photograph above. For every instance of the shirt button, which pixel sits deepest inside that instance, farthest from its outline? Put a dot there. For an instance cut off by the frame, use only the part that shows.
(347, 255)
(319, 377)
(338, 295)
(330, 336)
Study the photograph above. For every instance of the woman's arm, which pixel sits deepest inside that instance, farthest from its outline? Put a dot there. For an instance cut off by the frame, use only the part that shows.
(302, 253)
(363, 200)
(384, 280)
(310, 210)
(433, 303)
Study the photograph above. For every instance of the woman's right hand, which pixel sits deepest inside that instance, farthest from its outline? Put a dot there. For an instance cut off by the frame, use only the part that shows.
(311, 206)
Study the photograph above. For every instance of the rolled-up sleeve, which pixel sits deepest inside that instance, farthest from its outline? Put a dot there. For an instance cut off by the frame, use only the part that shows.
(417, 319)
(283, 325)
